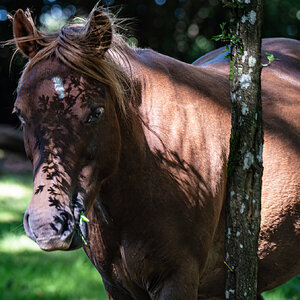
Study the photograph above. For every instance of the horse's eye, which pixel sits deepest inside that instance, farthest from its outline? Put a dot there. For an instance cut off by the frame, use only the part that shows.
(96, 115)
(17, 111)
(23, 122)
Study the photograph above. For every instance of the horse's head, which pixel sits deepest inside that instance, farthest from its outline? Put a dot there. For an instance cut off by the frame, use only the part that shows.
(71, 130)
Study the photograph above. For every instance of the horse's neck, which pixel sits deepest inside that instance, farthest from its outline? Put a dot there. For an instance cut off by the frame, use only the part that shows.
(165, 146)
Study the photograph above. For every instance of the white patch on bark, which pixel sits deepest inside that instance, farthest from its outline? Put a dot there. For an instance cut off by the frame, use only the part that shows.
(245, 81)
(229, 231)
(227, 294)
(252, 17)
(232, 97)
(59, 87)
(248, 160)
(244, 19)
(245, 54)
(241, 246)
(238, 233)
(245, 108)
(260, 152)
(242, 209)
(251, 61)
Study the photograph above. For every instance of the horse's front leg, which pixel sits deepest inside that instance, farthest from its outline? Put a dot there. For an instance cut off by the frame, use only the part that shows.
(114, 293)
(177, 291)
(180, 286)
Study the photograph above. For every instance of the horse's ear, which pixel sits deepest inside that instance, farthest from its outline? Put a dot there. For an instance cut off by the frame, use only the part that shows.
(99, 31)
(22, 30)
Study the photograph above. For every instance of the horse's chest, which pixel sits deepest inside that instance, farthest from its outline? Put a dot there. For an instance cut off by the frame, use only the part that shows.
(123, 275)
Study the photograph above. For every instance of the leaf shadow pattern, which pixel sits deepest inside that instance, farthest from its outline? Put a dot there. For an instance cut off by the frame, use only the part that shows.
(187, 177)
(56, 138)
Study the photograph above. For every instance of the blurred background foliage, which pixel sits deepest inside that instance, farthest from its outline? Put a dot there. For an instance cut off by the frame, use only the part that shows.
(179, 28)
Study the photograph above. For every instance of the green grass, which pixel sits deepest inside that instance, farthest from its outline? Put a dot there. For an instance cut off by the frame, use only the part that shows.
(288, 291)
(27, 273)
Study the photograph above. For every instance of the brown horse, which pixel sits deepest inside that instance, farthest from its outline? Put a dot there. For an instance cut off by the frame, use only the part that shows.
(138, 142)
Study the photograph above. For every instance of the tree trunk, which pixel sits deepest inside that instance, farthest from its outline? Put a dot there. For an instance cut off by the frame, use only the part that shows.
(244, 173)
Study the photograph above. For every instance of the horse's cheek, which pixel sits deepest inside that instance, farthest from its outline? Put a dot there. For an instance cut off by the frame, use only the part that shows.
(109, 152)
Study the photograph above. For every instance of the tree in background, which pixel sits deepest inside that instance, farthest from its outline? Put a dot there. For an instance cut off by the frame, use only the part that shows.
(244, 171)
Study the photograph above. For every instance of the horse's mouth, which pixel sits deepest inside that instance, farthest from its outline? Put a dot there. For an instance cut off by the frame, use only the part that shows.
(79, 237)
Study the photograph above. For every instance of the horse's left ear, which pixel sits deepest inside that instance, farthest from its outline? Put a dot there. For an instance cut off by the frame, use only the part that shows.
(23, 29)
(99, 31)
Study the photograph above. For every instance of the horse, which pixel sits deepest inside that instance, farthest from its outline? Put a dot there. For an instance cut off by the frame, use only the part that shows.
(136, 143)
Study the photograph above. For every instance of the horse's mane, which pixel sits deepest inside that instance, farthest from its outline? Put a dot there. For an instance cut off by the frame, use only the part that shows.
(70, 46)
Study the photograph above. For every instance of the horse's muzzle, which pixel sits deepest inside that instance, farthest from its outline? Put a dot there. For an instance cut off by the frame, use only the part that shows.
(61, 231)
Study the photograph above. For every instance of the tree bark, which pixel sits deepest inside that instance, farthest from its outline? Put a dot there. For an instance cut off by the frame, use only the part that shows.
(244, 172)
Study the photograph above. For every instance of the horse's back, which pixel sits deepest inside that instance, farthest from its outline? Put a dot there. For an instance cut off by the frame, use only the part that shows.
(280, 227)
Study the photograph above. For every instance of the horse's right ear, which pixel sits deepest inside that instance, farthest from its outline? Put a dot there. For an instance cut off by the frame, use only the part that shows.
(99, 31)
(23, 29)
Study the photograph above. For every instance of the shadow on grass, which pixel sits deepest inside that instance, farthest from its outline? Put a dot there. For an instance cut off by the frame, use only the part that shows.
(58, 275)
(15, 227)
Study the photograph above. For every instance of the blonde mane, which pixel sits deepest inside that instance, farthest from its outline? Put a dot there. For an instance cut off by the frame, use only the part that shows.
(70, 46)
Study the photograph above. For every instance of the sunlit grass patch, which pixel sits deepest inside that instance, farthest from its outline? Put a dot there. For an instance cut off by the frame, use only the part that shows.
(12, 243)
(15, 194)
(13, 190)
(9, 216)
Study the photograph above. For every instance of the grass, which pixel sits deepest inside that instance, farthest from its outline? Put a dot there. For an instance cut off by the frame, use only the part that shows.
(27, 273)
(288, 291)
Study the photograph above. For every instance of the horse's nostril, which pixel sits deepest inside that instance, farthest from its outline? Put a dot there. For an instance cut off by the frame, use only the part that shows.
(26, 217)
(27, 226)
